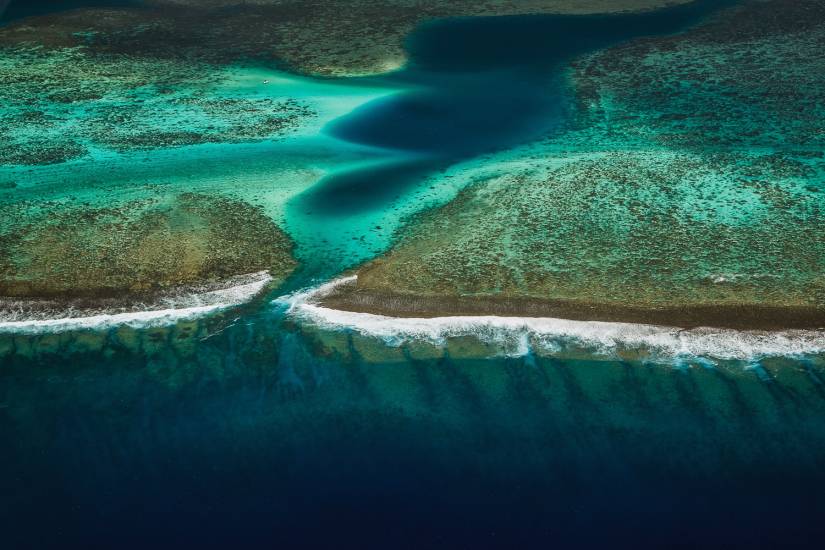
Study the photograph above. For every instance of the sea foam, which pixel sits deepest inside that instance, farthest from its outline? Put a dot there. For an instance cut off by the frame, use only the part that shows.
(165, 310)
(524, 335)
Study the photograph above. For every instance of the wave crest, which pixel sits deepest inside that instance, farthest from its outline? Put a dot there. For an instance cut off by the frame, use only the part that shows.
(524, 335)
(42, 316)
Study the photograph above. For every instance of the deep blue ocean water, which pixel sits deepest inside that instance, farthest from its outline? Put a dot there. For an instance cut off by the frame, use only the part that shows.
(261, 435)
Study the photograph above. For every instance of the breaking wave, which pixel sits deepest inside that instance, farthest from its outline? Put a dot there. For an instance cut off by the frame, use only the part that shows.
(524, 335)
(43, 316)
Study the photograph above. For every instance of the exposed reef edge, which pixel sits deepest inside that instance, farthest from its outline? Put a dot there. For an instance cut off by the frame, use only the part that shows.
(741, 317)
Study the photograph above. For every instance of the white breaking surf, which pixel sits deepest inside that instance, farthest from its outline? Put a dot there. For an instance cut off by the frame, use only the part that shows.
(166, 310)
(521, 335)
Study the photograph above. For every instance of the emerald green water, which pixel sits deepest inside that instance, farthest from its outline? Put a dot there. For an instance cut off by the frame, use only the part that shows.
(274, 423)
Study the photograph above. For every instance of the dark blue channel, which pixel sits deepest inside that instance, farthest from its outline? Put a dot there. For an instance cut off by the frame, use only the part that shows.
(477, 85)
(17, 9)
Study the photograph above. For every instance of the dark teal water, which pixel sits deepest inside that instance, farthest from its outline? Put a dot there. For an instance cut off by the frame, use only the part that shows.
(17, 9)
(476, 85)
(258, 434)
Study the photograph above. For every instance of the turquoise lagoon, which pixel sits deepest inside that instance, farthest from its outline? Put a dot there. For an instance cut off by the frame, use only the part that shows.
(275, 423)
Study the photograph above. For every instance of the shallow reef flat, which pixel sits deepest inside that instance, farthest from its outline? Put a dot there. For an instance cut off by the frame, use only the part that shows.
(87, 256)
(685, 186)
(110, 194)
(647, 236)
(752, 76)
(689, 189)
(138, 173)
(73, 103)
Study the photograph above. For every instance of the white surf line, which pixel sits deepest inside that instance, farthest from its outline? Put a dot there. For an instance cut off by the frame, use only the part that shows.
(167, 311)
(516, 335)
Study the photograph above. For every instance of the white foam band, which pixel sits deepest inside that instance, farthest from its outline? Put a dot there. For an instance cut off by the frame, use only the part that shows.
(519, 335)
(165, 311)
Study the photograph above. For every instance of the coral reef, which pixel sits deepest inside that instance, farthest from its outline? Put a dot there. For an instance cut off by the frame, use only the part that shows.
(135, 249)
(688, 189)
(60, 104)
